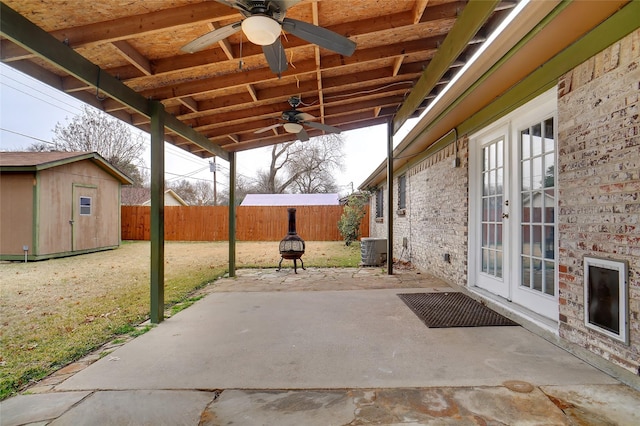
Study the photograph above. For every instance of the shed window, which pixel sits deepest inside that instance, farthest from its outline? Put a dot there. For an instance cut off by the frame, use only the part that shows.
(402, 192)
(379, 203)
(85, 206)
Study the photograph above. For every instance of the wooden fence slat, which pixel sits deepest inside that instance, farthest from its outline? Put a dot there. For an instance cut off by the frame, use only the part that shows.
(253, 223)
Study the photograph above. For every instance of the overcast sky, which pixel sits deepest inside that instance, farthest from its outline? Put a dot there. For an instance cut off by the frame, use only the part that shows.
(29, 111)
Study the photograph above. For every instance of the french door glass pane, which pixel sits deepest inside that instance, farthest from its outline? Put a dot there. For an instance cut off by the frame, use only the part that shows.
(492, 199)
(549, 278)
(537, 198)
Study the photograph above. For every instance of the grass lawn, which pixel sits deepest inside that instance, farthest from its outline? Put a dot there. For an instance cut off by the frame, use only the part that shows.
(56, 311)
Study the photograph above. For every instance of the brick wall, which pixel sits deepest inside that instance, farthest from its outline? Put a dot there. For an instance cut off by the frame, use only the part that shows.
(435, 219)
(599, 183)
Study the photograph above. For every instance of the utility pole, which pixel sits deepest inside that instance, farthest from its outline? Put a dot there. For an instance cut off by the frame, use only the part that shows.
(214, 168)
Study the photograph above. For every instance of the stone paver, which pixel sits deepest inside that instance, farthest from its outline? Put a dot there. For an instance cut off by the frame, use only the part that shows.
(26, 409)
(139, 407)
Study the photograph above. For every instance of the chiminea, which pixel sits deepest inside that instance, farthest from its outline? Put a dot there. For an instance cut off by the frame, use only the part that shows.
(292, 246)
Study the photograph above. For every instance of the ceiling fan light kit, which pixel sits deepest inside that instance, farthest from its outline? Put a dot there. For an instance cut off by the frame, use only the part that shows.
(292, 127)
(261, 30)
(263, 22)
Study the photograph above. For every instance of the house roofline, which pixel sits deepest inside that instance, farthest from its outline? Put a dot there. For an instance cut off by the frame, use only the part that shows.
(453, 111)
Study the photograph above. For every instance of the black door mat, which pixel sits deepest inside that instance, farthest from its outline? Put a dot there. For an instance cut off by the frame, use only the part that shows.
(444, 310)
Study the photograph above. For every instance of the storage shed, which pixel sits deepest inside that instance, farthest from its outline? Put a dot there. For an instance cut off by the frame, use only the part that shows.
(55, 204)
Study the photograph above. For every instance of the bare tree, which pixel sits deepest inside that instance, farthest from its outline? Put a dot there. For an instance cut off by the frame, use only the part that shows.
(243, 187)
(94, 130)
(303, 167)
(313, 165)
(199, 193)
(269, 182)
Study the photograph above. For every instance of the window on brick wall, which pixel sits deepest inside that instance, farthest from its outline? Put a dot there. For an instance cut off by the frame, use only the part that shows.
(379, 203)
(402, 192)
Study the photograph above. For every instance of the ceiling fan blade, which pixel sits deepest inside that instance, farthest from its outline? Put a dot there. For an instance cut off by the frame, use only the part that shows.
(276, 57)
(321, 126)
(303, 116)
(303, 135)
(210, 38)
(320, 36)
(266, 129)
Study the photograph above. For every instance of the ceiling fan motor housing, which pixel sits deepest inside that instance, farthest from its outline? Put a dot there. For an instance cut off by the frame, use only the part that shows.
(290, 116)
(267, 8)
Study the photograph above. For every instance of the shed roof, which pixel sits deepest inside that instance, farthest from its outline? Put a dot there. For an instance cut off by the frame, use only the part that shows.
(291, 200)
(34, 161)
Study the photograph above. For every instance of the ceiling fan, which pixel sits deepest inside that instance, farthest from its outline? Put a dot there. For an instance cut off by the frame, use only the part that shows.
(264, 20)
(294, 121)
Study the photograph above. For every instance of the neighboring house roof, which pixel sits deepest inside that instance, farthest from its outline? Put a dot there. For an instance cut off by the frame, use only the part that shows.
(291, 200)
(130, 196)
(34, 161)
(142, 197)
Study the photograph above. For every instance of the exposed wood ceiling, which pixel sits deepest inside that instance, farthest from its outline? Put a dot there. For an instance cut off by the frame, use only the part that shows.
(227, 92)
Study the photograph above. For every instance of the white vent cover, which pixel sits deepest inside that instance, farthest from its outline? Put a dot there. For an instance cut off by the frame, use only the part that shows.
(374, 251)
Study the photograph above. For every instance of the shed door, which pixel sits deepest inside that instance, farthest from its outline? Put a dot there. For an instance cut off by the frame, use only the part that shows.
(84, 225)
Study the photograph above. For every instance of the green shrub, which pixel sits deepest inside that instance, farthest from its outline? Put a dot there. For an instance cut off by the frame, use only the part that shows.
(354, 211)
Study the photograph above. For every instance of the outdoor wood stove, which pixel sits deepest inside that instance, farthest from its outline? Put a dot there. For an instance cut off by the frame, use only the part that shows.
(292, 246)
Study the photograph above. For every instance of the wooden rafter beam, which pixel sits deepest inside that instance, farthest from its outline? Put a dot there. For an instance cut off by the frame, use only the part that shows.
(397, 64)
(418, 10)
(132, 26)
(224, 43)
(172, 64)
(131, 55)
(252, 92)
(329, 62)
(189, 102)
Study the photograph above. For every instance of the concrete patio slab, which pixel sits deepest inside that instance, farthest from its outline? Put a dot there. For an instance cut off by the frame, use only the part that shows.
(326, 347)
(322, 340)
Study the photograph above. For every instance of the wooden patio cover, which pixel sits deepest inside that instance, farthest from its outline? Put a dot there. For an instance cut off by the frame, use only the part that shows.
(129, 52)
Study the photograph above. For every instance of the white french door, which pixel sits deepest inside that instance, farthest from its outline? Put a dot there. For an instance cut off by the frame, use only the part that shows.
(513, 208)
(536, 273)
(492, 234)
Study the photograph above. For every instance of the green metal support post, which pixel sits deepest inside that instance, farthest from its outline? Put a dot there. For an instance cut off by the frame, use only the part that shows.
(390, 197)
(232, 214)
(157, 212)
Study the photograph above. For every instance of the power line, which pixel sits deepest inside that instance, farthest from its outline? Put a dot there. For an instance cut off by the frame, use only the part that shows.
(26, 136)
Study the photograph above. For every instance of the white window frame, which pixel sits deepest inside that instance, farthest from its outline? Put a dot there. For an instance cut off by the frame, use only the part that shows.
(84, 206)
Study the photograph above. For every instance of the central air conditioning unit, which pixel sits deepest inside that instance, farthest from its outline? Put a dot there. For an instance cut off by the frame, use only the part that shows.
(374, 251)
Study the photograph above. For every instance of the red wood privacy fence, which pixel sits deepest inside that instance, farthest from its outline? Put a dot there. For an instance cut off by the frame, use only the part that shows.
(211, 223)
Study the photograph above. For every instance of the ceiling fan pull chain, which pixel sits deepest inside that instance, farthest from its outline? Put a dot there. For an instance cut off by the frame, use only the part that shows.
(240, 62)
(291, 61)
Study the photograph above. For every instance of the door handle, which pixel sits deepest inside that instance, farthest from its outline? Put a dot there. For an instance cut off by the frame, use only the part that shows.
(505, 215)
